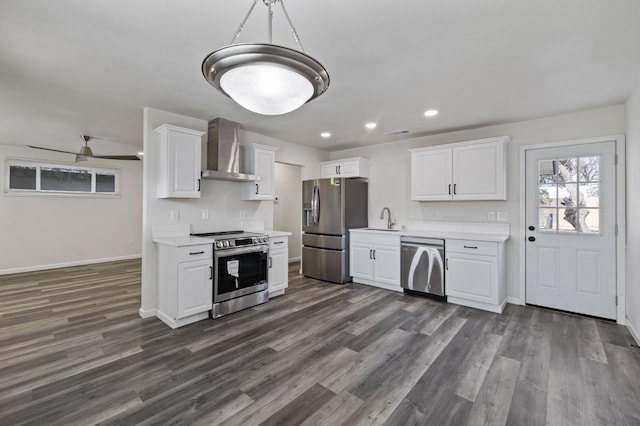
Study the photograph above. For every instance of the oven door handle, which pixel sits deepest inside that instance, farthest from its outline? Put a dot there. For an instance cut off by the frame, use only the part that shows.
(241, 250)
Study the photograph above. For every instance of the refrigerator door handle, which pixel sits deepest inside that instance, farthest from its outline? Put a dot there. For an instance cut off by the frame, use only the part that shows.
(315, 201)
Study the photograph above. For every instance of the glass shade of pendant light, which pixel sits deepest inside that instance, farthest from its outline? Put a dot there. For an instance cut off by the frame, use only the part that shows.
(266, 78)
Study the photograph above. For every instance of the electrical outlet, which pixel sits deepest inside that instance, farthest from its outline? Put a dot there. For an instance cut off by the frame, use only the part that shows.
(130, 240)
(206, 215)
(243, 215)
(175, 215)
(503, 216)
(438, 214)
(491, 216)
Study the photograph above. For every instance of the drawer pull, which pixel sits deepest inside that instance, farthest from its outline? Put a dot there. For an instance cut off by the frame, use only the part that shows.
(471, 247)
(195, 252)
(210, 272)
(278, 242)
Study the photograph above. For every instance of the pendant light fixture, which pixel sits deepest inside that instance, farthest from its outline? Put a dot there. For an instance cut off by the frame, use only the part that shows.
(263, 77)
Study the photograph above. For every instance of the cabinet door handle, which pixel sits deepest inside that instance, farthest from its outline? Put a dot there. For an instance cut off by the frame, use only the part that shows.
(454, 188)
(370, 254)
(446, 264)
(449, 189)
(471, 247)
(339, 169)
(210, 272)
(270, 262)
(195, 252)
(256, 189)
(278, 242)
(374, 255)
(198, 185)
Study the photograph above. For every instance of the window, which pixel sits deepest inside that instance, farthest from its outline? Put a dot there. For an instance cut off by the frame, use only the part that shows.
(32, 177)
(569, 190)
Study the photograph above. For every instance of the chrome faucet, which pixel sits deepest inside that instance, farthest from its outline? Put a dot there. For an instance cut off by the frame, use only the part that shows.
(390, 223)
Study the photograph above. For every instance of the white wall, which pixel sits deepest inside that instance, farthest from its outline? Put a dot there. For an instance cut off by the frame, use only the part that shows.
(389, 181)
(632, 107)
(221, 198)
(287, 209)
(42, 232)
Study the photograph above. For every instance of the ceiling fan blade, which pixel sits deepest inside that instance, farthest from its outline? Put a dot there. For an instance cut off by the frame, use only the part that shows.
(50, 149)
(117, 157)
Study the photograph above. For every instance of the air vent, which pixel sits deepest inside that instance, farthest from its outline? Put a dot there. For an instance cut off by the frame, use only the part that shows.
(398, 132)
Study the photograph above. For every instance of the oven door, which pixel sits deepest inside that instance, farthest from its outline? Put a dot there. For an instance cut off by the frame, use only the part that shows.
(239, 271)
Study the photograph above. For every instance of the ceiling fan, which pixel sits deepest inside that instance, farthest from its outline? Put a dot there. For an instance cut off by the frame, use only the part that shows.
(86, 153)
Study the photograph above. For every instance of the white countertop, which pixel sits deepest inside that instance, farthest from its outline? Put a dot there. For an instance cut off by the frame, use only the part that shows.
(187, 240)
(439, 233)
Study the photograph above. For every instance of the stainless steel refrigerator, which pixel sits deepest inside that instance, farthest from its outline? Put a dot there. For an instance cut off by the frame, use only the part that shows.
(330, 207)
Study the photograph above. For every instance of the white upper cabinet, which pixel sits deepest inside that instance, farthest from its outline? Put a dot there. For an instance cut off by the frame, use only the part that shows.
(179, 162)
(473, 170)
(259, 160)
(348, 167)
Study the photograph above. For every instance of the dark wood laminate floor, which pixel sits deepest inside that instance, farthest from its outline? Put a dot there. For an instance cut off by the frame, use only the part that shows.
(73, 350)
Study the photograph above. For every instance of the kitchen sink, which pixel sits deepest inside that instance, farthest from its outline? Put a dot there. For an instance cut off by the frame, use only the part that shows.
(381, 229)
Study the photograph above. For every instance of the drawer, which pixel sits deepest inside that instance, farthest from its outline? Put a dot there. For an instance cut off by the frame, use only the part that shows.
(198, 252)
(486, 248)
(278, 242)
(376, 238)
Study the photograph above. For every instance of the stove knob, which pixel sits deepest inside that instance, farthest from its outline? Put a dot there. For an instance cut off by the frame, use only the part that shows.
(225, 243)
(218, 244)
(254, 240)
(264, 239)
(232, 243)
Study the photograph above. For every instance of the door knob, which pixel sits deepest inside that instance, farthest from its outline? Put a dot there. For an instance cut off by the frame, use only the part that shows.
(532, 239)
(532, 228)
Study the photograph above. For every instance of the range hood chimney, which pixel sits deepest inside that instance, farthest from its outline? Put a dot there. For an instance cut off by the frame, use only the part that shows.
(223, 152)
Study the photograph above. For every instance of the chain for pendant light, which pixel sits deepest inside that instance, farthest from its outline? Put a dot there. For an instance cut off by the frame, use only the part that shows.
(269, 4)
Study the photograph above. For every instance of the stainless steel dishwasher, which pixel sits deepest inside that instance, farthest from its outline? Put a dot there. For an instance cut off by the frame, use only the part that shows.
(422, 266)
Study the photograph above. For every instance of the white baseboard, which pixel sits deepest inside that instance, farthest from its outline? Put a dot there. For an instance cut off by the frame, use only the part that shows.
(515, 301)
(147, 313)
(633, 331)
(67, 264)
(294, 259)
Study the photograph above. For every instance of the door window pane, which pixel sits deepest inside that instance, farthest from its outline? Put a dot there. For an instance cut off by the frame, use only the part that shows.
(548, 195)
(567, 169)
(589, 169)
(589, 195)
(547, 219)
(63, 179)
(547, 171)
(105, 182)
(22, 177)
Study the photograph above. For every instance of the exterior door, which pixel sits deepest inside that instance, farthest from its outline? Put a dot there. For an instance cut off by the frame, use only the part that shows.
(571, 228)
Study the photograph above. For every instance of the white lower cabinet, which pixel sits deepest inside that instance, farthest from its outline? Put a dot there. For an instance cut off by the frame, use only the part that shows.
(475, 274)
(278, 273)
(374, 259)
(185, 278)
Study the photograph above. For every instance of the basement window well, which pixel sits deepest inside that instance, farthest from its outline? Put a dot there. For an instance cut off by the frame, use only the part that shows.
(23, 177)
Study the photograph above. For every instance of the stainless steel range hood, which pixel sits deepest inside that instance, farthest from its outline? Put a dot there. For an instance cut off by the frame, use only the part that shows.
(223, 152)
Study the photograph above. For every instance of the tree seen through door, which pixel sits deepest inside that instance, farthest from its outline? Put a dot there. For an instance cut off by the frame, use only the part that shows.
(569, 194)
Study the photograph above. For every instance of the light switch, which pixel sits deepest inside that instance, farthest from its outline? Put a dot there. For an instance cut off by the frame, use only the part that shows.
(491, 216)
(205, 214)
(503, 216)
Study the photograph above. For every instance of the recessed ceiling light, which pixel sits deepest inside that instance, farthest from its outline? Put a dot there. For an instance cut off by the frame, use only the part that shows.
(325, 134)
(431, 112)
(370, 125)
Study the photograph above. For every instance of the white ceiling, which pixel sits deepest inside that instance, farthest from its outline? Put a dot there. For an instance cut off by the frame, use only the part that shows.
(71, 67)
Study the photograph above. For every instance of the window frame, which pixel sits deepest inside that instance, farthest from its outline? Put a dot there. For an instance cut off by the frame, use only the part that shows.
(39, 164)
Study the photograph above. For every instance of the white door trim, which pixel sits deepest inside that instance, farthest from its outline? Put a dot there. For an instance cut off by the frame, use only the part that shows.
(620, 217)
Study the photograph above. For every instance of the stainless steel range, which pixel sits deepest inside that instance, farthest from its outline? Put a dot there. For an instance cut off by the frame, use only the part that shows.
(240, 263)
